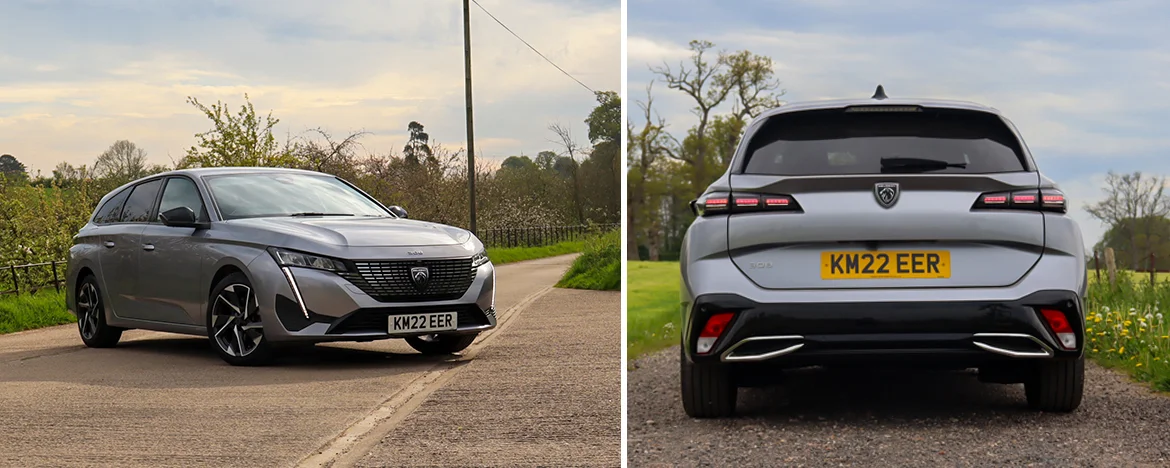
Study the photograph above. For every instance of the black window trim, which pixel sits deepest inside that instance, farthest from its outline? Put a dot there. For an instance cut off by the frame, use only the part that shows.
(161, 191)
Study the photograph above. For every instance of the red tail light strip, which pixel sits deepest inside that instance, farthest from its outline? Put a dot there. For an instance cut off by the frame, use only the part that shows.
(1031, 200)
(724, 203)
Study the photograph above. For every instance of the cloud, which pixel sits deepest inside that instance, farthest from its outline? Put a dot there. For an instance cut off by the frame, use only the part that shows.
(70, 89)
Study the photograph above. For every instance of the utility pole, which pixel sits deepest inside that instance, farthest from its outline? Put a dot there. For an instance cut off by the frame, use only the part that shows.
(470, 121)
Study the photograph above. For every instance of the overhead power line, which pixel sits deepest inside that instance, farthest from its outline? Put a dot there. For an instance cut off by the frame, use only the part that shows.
(501, 23)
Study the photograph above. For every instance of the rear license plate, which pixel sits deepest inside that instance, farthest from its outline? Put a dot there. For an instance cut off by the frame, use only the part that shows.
(886, 264)
(421, 323)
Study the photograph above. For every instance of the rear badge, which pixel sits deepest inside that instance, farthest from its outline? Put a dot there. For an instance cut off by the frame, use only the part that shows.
(886, 193)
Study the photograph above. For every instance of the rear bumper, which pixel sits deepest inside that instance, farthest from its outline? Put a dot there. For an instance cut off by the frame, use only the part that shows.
(967, 333)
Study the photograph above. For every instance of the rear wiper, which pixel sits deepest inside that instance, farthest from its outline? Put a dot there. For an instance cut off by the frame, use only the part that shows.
(923, 164)
(313, 213)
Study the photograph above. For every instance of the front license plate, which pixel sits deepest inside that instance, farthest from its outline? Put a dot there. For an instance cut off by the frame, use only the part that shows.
(888, 264)
(421, 323)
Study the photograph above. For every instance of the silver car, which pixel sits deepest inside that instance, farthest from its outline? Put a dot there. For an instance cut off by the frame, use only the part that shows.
(882, 231)
(255, 258)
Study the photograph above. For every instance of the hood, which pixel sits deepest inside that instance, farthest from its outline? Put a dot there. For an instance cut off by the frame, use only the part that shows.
(361, 232)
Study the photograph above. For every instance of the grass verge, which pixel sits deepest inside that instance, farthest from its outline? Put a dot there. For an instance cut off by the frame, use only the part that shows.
(20, 312)
(501, 256)
(1126, 330)
(653, 319)
(599, 267)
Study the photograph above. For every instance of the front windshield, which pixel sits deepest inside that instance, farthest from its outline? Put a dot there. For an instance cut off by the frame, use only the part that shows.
(288, 194)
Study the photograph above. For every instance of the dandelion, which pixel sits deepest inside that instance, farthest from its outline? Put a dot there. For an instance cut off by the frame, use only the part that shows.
(1121, 351)
(1138, 365)
(1127, 323)
(1089, 330)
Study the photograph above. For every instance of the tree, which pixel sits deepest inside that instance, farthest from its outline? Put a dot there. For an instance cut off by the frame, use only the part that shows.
(240, 139)
(1132, 205)
(605, 133)
(517, 163)
(571, 149)
(123, 161)
(745, 78)
(417, 149)
(11, 168)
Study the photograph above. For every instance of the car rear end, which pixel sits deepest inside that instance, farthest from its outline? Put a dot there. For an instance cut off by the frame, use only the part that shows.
(882, 231)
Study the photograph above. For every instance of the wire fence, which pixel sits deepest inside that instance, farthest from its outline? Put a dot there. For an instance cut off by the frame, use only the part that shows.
(541, 236)
(15, 279)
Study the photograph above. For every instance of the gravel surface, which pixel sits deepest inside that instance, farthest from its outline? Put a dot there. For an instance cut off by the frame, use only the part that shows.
(892, 418)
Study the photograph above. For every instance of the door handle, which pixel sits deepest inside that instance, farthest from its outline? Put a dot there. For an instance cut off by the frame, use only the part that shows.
(148, 247)
(109, 244)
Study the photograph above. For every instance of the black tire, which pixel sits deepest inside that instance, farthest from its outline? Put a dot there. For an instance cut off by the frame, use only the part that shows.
(1057, 386)
(708, 390)
(441, 343)
(249, 347)
(91, 316)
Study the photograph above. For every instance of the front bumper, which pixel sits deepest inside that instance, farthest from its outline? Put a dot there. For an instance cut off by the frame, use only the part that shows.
(339, 311)
(964, 333)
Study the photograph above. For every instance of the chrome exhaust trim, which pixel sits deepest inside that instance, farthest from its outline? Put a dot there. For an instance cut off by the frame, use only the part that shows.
(1044, 352)
(728, 356)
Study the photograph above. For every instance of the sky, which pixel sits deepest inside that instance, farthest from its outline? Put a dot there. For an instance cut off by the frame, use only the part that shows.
(1086, 83)
(75, 76)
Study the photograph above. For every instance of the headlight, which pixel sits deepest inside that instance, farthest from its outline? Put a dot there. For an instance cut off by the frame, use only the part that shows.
(479, 259)
(300, 259)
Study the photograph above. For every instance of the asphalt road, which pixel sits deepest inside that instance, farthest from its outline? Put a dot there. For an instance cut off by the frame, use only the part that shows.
(166, 400)
(895, 419)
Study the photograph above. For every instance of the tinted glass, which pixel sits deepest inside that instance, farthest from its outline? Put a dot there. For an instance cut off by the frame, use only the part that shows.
(283, 194)
(141, 202)
(111, 211)
(838, 142)
(181, 191)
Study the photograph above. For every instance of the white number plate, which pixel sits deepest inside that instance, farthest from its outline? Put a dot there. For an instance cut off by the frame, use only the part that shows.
(418, 323)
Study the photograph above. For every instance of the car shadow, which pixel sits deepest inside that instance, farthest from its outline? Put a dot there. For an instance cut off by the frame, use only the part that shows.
(816, 395)
(186, 362)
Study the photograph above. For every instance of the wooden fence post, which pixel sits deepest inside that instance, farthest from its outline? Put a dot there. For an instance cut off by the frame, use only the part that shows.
(1110, 266)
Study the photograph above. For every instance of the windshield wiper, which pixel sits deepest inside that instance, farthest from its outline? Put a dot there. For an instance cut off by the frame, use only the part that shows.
(313, 213)
(922, 164)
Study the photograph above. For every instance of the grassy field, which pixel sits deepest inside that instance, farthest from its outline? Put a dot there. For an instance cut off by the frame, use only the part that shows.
(599, 267)
(502, 256)
(25, 312)
(652, 307)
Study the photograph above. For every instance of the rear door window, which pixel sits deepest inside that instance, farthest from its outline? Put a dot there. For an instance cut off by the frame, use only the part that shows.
(141, 202)
(831, 142)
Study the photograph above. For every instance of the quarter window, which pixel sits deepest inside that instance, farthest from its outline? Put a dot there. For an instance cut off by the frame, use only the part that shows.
(111, 211)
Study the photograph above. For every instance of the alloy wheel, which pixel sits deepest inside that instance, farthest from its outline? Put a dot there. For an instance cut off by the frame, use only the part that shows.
(89, 306)
(236, 321)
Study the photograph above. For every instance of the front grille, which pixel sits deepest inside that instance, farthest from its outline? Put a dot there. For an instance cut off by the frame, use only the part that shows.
(391, 281)
(378, 320)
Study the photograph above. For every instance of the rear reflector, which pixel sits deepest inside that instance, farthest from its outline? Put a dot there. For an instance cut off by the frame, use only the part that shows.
(714, 328)
(1058, 322)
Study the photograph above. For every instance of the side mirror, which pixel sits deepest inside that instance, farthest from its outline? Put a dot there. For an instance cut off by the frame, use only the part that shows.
(398, 211)
(180, 217)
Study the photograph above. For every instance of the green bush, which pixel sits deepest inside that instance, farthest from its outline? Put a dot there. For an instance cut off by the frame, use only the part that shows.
(599, 267)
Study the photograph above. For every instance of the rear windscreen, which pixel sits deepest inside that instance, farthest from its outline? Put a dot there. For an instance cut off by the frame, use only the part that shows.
(839, 142)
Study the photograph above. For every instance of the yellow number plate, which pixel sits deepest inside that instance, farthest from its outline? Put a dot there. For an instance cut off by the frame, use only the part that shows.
(886, 264)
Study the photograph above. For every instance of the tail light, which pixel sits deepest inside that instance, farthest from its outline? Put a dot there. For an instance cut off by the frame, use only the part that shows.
(1058, 322)
(714, 328)
(1031, 200)
(724, 203)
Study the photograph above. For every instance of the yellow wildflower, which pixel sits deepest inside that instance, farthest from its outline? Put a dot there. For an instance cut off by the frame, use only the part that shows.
(1121, 351)
(1139, 364)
